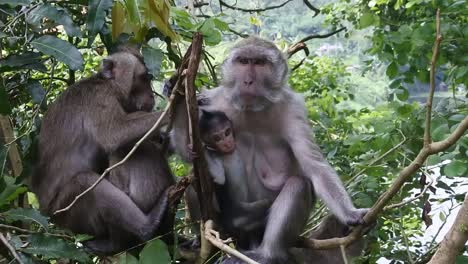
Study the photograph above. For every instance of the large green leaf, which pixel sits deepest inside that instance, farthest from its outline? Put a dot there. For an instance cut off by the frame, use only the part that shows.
(60, 16)
(392, 70)
(127, 258)
(96, 17)
(61, 50)
(455, 168)
(15, 2)
(211, 34)
(15, 61)
(53, 248)
(27, 215)
(153, 59)
(155, 252)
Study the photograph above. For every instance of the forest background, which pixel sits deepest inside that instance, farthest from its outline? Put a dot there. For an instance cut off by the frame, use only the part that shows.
(363, 67)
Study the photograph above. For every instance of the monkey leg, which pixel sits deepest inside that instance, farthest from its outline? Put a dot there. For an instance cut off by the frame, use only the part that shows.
(287, 218)
(107, 207)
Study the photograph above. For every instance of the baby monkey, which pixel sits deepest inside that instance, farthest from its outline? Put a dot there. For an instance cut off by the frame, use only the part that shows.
(229, 173)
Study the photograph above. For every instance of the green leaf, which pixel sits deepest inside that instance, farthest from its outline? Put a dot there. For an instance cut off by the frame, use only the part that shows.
(455, 168)
(5, 106)
(36, 91)
(211, 35)
(440, 132)
(127, 258)
(15, 2)
(405, 110)
(392, 70)
(402, 94)
(221, 25)
(60, 16)
(61, 50)
(53, 248)
(153, 59)
(96, 17)
(433, 160)
(367, 19)
(155, 252)
(27, 215)
(19, 60)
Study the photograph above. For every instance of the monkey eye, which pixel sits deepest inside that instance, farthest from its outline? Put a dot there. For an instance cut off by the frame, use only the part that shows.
(244, 61)
(216, 138)
(227, 132)
(260, 62)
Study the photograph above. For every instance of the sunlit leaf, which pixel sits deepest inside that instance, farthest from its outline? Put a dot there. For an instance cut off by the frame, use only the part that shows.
(158, 11)
(367, 19)
(61, 50)
(118, 19)
(96, 17)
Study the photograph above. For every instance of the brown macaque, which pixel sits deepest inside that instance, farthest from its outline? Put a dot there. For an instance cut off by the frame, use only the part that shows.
(274, 142)
(92, 124)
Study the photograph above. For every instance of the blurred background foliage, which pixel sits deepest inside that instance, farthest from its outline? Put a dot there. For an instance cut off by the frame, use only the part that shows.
(365, 89)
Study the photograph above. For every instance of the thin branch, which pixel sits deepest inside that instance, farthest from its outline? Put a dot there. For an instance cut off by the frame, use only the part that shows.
(312, 7)
(10, 248)
(213, 236)
(435, 54)
(421, 194)
(318, 36)
(22, 230)
(343, 254)
(222, 3)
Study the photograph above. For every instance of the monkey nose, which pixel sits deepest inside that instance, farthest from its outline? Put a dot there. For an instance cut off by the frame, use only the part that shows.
(248, 82)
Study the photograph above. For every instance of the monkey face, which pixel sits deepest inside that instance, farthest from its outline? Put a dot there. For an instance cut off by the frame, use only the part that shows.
(141, 97)
(256, 75)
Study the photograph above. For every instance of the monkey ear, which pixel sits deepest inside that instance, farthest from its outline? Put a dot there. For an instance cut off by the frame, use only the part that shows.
(107, 69)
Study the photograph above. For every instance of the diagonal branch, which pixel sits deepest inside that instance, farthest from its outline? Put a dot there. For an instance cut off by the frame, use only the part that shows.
(312, 7)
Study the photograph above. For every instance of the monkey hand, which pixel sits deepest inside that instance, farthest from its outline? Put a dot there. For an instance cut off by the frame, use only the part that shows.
(191, 154)
(356, 216)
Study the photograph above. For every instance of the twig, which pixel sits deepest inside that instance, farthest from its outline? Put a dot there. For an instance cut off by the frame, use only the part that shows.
(318, 36)
(155, 126)
(311, 7)
(213, 236)
(435, 54)
(22, 230)
(343, 254)
(10, 248)
(222, 3)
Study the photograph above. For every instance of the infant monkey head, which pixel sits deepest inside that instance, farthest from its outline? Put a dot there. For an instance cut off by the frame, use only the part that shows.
(216, 132)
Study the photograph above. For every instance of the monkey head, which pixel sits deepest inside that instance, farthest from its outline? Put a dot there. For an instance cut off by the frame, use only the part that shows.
(128, 73)
(216, 132)
(256, 72)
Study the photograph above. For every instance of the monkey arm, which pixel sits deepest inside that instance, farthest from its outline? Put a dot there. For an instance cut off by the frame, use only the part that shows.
(179, 137)
(325, 181)
(216, 168)
(119, 129)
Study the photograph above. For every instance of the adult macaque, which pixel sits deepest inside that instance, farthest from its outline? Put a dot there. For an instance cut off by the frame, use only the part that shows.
(93, 123)
(274, 141)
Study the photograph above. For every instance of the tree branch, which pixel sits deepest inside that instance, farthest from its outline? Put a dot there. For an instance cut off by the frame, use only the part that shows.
(435, 54)
(311, 7)
(455, 239)
(222, 3)
(11, 249)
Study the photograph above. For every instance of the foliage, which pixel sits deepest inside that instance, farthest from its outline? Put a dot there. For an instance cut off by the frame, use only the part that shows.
(358, 90)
